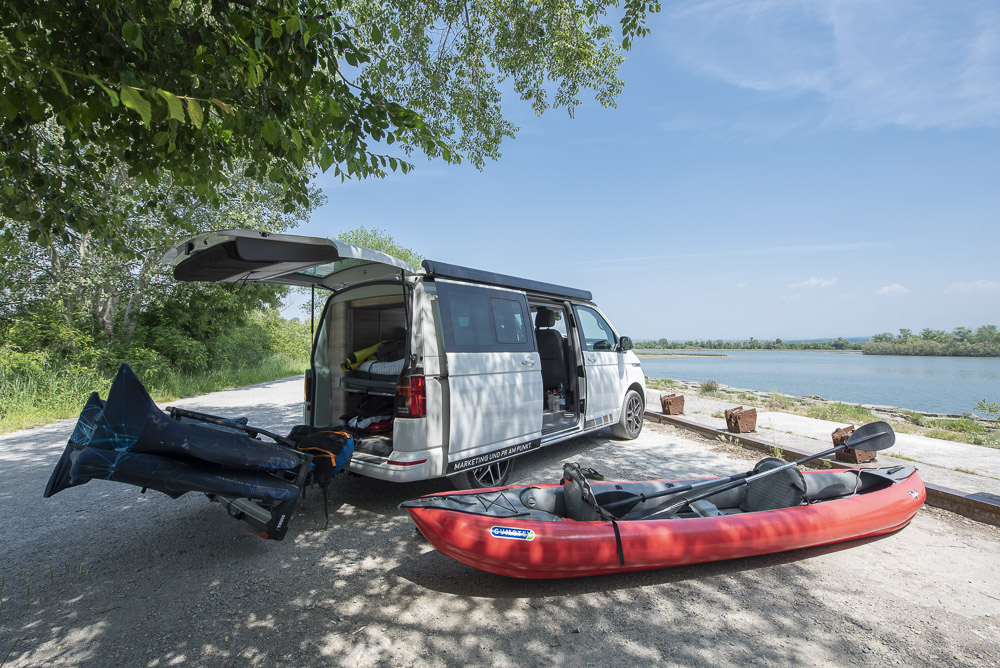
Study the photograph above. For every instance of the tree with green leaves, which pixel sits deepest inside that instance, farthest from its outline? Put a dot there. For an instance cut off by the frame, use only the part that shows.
(381, 241)
(372, 238)
(189, 91)
(88, 289)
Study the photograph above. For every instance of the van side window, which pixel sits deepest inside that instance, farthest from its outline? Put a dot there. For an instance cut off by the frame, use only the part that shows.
(595, 330)
(508, 318)
(476, 319)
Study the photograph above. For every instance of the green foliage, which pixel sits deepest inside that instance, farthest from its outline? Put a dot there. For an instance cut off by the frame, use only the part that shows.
(708, 387)
(778, 402)
(187, 91)
(660, 383)
(447, 60)
(37, 386)
(961, 342)
(841, 412)
(992, 410)
(71, 313)
(180, 89)
(751, 344)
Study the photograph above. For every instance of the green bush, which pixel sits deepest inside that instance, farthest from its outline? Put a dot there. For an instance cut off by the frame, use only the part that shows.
(840, 412)
(40, 385)
(708, 387)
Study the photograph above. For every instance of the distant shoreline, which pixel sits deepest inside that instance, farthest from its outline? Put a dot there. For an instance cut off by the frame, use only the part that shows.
(667, 353)
(721, 352)
(725, 352)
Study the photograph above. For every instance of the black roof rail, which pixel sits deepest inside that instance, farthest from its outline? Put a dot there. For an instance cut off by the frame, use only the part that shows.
(444, 270)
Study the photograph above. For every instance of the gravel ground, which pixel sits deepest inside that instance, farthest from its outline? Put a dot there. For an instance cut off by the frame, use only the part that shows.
(103, 575)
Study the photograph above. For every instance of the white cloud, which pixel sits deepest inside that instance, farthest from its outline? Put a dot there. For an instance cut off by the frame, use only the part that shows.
(975, 286)
(872, 63)
(815, 283)
(894, 289)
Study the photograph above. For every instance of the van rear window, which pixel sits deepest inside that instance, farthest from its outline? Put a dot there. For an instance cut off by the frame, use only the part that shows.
(476, 319)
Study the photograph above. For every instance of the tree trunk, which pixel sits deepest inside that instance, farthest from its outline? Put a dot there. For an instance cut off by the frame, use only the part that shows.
(105, 311)
(136, 300)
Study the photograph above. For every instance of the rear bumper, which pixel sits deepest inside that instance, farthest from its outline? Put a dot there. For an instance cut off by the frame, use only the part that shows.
(400, 466)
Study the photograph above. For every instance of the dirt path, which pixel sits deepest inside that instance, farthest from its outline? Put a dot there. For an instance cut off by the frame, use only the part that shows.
(102, 575)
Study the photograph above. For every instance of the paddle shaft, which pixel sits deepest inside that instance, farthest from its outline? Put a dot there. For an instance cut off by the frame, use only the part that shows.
(674, 490)
(670, 510)
(737, 478)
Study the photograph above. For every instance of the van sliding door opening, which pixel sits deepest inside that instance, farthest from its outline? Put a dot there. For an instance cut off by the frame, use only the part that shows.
(558, 357)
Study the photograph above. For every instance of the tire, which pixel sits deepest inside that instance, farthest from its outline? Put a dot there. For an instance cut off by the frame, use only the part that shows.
(492, 475)
(630, 424)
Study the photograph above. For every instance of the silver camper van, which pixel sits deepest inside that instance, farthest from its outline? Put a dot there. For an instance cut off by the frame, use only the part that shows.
(440, 370)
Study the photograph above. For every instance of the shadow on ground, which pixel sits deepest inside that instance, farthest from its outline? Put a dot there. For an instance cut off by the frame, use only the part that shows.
(103, 575)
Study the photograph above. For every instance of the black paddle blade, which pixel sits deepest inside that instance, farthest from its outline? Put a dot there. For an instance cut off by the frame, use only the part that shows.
(872, 436)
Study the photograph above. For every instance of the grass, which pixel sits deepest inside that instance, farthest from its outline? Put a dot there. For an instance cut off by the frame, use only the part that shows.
(176, 386)
(659, 383)
(841, 412)
(27, 401)
(778, 402)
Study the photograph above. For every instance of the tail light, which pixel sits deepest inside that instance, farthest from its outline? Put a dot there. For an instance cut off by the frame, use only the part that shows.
(411, 397)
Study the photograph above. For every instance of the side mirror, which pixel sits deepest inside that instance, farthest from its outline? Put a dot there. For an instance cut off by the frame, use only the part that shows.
(624, 344)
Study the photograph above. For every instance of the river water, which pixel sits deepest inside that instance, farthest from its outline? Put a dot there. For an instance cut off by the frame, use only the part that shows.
(932, 384)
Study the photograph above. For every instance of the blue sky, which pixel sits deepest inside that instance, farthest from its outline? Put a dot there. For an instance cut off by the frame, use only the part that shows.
(773, 169)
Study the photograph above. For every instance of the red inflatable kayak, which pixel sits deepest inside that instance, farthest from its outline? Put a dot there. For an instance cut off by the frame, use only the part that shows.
(528, 532)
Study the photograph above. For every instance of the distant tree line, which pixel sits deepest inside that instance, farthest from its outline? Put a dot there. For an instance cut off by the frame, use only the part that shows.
(960, 342)
(840, 343)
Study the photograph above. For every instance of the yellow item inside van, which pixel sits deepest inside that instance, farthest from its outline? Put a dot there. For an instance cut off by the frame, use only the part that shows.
(355, 359)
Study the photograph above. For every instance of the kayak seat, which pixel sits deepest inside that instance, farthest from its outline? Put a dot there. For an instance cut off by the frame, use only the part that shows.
(581, 505)
(779, 490)
(705, 508)
(549, 500)
(821, 486)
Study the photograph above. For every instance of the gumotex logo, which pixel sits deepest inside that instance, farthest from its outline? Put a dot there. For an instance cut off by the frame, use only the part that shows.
(512, 534)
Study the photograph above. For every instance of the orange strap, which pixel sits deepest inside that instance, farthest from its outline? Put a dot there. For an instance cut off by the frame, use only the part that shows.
(320, 452)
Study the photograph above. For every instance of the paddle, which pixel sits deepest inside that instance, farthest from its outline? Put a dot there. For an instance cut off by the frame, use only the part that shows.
(875, 436)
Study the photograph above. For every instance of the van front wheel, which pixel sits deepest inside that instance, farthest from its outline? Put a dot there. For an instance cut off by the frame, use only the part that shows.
(630, 423)
(492, 475)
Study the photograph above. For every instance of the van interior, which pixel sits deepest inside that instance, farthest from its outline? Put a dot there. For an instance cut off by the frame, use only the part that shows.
(359, 357)
(560, 380)
(358, 360)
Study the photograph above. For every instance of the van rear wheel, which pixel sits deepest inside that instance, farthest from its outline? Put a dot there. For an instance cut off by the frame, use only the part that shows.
(492, 475)
(630, 423)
